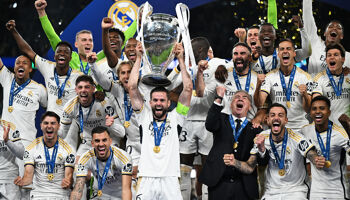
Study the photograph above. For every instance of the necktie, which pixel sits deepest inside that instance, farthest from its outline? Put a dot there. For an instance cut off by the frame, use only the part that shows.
(238, 124)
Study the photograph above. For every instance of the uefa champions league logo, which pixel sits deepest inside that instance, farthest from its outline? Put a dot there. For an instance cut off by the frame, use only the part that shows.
(123, 13)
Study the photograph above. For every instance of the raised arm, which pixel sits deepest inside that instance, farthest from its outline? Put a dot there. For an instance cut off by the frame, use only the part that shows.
(22, 44)
(200, 84)
(16, 147)
(305, 50)
(112, 57)
(77, 192)
(244, 167)
(186, 94)
(309, 20)
(134, 92)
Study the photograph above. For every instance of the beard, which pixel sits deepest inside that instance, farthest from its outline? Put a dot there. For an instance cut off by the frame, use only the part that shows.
(241, 69)
(158, 115)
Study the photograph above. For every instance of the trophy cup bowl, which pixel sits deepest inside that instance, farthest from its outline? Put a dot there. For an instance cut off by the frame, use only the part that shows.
(160, 33)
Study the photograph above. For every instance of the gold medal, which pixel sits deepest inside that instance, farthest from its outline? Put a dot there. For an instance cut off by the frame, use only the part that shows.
(126, 124)
(327, 164)
(99, 193)
(281, 172)
(50, 177)
(194, 93)
(235, 145)
(10, 109)
(288, 104)
(59, 101)
(156, 149)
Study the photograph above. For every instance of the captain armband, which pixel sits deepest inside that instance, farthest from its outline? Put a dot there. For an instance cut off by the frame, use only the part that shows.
(182, 109)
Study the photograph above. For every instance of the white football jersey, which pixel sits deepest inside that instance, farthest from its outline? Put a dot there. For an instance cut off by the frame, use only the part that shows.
(166, 162)
(120, 165)
(93, 116)
(272, 85)
(8, 165)
(295, 172)
(47, 68)
(338, 103)
(25, 105)
(110, 73)
(231, 88)
(35, 155)
(329, 182)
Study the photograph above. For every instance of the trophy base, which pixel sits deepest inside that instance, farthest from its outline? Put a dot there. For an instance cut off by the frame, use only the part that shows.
(156, 80)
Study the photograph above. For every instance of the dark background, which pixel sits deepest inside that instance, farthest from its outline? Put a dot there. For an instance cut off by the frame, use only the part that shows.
(216, 21)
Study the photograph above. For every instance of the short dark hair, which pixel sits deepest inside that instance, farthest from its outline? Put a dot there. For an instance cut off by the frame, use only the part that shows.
(336, 46)
(160, 89)
(100, 129)
(276, 105)
(85, 78)
(267, 24)
(336, 21)
(254, 27)
(65, 43)
(50, 114)
(119, 32)
(242, 44)
(286, 40)
(200, 47)
(322, 98)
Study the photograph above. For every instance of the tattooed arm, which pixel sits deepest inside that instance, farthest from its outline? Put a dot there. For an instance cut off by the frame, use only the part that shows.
(77, 192)
(318, 161)
(244, 167)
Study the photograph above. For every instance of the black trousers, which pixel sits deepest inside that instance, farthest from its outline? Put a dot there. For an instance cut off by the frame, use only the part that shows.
(231, 189)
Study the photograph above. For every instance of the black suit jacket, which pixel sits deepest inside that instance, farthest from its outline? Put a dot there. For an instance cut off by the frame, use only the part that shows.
(213, 170)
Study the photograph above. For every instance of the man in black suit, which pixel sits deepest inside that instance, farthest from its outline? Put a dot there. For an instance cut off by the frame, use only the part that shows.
(223, 173)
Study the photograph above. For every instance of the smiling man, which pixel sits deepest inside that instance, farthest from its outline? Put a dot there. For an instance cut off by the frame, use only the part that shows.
(110, 166)
(331, 142)
(49, 162)
(289, 86)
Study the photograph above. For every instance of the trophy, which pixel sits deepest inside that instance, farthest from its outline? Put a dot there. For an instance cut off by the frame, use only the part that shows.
(159, 33)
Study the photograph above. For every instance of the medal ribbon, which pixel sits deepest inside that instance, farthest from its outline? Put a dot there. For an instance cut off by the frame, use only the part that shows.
(14, 92)
(238, 84)
(274, 62)
(86, 70)
(288, 90)
(325, 151)
(101, 180)
(61, 89)
(81, 115)
(50, 163)
(283, 151)
(158, 133)
(337, 88)
(232, 122)
(127, 107)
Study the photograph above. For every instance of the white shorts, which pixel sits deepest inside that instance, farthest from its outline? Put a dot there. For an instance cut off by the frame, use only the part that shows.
(194, 138)
(9, 191)
(286, 196)
(158, 188)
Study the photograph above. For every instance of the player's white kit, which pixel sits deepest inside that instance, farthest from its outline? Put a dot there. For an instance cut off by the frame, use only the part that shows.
(164, 165)
(35, 155)
(120, 165)
(292, 182)
(338, 103)
(231, 88)
(9, 167)
(93, 116)
(47, 69)
(329, 182)
(272, 85)
(317, 60)
(25, 104)
(272, 61)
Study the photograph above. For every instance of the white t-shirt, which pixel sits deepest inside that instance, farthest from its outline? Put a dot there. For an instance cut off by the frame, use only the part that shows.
(328, 182)
(47, 68)
(295, 173)
(317, 60)
(92, 117)
(166, 163)
(25, 105)
(231, 88)
(8, 165)
(35, 155)
(272, 86)
(120, 165)
(338, 103)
